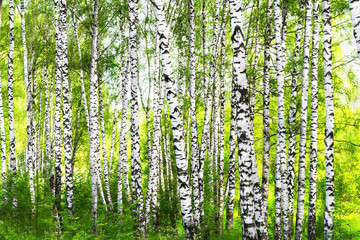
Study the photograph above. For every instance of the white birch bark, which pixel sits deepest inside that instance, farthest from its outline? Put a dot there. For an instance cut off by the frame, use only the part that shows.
(103, 137)
(266, 116)
(122, 163)
(93, 115)
(280, 165)
(176, 121)
(221, 141)
(292, 117)
(12, 161)
(30, 156)
(243, 122)
(192, 113)
(355, 17)
(231, 168)
(136, 180)
(152, 189)
(314, 123)
(2, 132)
(57, 113)
(303, 123)
(67, 116)
(329, 126)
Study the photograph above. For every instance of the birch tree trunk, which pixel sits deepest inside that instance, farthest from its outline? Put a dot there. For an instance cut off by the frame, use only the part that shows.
(303, 123)
(314, 123)
(30, 156)
(231, 168)
(93, 114)
(67, 116)
(292, 125)
(152, 189)
(2, 132)
(57, 114)
(192, 113)
(122, 163)
(103, 137)
(259, 218)
(266, 116)
(48, 101)
(176, 121)
(355, 17)
(329, 127)
(221, 141)
(12, 161)
(280, 164)
(134, 130)
(243, 122)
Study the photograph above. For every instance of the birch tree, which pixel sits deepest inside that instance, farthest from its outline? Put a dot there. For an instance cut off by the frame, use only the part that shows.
(30, 155)
(280, 164)
(293, 117)
(303, 123)
(243, 122)
(194, 132)
(67, 116)
(134, 130)
(103, 137)
(12, 161)
(176, 120)
(329, 126)
(266, 116)
(314, 123)
(2, 131)
(355, 17)
(93, 114)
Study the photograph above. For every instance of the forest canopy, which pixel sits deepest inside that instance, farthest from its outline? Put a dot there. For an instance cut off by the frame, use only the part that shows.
(195, 119)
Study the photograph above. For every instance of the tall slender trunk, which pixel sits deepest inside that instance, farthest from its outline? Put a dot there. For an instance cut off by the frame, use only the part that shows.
(48, 101)
(134, 130)
(259, 218)
(329, 127)
(57, 116)
(122, 163)
(280, 165)
(292, 124)
(192, 113)
(266, 116)
(67, 116)
(243, 122)
(314, 124)
(231, 168)
(103, 137)
(213, 92)
(176, 121)
(30, 156)
(152, 189)
(2, 132)
(303, 123)
(221, 141)
(355, 17)
(12, 165)
(93, 114)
